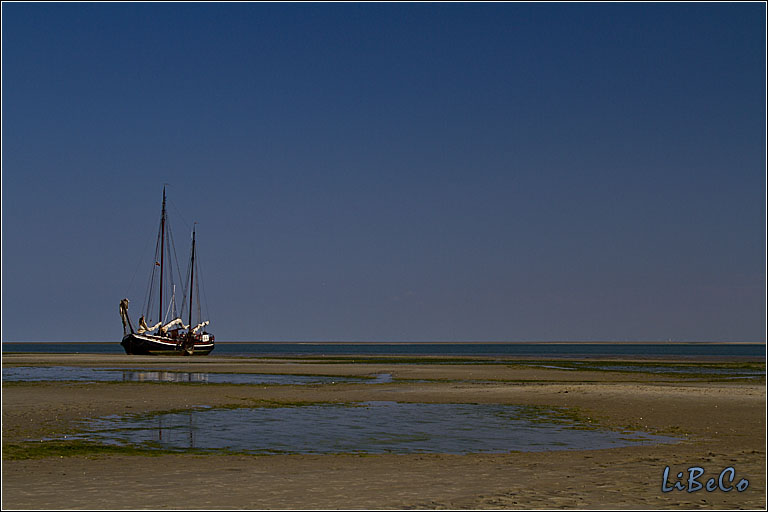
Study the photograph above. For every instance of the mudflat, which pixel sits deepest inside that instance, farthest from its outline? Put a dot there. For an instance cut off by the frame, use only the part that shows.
(720, 423)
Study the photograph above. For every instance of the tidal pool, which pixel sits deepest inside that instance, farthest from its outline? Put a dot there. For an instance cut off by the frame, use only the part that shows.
(370, 427)
(72, 373)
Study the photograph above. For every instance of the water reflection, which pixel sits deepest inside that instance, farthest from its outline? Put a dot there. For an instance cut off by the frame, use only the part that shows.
(371, 427)
(146, 376)
(71, 373)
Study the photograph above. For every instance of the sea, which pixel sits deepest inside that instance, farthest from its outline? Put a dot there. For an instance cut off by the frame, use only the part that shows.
(527, 350)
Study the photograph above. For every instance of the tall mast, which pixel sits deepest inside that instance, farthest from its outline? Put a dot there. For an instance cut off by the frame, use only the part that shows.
(162, 255)
(192, 277)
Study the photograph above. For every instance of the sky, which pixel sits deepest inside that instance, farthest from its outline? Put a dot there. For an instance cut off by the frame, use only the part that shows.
(389, 171)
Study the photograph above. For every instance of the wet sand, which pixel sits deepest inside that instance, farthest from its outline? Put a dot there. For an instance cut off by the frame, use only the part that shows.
(720, 423)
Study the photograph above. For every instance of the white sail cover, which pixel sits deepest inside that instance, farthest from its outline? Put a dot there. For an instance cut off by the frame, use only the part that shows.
(175, 321)
(143, 327)
(198, 326)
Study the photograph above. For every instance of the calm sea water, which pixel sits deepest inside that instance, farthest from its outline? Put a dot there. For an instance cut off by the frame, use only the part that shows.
(432, 349)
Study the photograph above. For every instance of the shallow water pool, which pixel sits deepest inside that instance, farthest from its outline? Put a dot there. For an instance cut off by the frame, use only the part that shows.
(73, 373)
(370, 427)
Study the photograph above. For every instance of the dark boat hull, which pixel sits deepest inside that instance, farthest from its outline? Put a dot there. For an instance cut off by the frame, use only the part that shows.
(147, 344)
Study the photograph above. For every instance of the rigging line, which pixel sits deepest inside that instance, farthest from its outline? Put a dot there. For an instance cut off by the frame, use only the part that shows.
(172, 304)
(199, 314)
(181, 217)
(148, 302)
(175, 257)
(148, 296)
(188, 277)
(186, 287)
(169, 309)
(202, 285)
(172, 252)
(141, 257)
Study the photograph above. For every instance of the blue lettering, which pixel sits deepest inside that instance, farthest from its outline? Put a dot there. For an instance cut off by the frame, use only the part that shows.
(664, 487)
(694, 473)
(722, 474)
(725, 482)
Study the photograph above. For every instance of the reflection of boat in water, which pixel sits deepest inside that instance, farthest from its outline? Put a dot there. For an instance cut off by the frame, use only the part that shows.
(150, 376)
(176, 434)
(168, 335)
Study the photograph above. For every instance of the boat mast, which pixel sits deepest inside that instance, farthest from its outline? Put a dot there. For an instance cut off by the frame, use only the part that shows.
(192, 277)
(162, 255)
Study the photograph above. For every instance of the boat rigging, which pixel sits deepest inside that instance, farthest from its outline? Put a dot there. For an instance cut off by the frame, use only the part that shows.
(164, 336)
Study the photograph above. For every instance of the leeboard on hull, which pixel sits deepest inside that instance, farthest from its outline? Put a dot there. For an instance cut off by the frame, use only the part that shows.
(136, 344)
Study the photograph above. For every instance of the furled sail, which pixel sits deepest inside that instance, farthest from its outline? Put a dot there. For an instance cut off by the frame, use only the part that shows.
(175, 321)
(143, 325)
(202, 324)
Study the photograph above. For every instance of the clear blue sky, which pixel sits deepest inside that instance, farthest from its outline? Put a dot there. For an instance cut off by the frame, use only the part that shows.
(392, 171)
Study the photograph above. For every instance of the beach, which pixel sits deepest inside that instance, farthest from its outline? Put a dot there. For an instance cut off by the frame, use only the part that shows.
(719, 424)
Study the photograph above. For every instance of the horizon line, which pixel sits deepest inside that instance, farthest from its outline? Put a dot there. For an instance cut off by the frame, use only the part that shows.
(326, 342)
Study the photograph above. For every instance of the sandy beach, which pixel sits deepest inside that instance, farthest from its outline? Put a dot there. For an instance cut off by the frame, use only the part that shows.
(719, 423)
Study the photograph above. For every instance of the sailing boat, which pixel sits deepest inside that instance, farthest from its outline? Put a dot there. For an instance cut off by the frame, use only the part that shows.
(168, 335)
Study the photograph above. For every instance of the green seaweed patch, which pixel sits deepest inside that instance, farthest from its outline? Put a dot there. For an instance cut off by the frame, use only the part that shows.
(247, 403)
(273, 404)
(573, 417)
(21, 383)
(75, 448)
(673, 430)
(665, 369)
(80, 448)
(581, 363)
